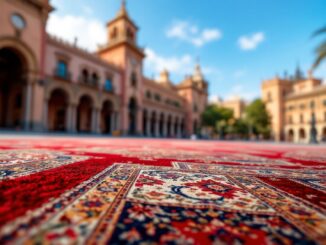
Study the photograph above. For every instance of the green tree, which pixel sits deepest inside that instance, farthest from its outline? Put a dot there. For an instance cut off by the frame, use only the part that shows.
(240, 128)
(217, 118)
(321, 48)
(257, 118)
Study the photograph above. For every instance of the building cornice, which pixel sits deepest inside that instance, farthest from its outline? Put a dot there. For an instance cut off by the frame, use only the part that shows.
(316, 91)
(93, 57)
(120, 43)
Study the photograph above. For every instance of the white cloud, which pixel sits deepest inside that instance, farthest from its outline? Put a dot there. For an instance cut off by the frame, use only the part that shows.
(251, 42)
(179, 65)
(89, 32)
(188, 32)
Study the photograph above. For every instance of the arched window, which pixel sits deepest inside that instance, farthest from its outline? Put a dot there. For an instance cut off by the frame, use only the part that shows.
(95, 79)
(134, 79)
(157, 97)
(312, 104)
(148, 94)
(114, 33)
(84, 76)
(130, 34)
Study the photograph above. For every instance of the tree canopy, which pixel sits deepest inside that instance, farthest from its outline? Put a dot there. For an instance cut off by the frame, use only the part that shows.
(214, 114)
(257, 117)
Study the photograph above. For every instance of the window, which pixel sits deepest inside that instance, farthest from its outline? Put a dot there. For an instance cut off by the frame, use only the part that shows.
(95, 79)
(302, 106)
(312, 104)
(133, 79)
(291, 107)
(114, 33)
(324, 102)
(301, 118)
(84, 76)
(148, 94)
(130, 35)
(108, 86)
(62, 69)
(290, 120)
(269, 97)
(18, 21)
(177, 104)
(195, 108)
(157, 97)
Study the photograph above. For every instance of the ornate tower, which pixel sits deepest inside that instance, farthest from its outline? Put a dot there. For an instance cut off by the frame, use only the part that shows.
(194, 90)
(273, 93)
(122, 50)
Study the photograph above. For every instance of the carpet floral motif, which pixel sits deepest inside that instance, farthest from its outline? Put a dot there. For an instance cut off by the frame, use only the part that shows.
(130, 203)
(125, 191)
(15, 163)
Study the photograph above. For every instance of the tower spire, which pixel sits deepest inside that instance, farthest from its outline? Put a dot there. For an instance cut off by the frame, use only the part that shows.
(123, 9)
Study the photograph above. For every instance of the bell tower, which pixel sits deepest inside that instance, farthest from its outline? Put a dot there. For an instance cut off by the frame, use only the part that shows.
(123, 51)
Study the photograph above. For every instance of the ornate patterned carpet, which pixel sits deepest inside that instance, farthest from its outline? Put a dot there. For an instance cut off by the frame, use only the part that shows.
(118, 191)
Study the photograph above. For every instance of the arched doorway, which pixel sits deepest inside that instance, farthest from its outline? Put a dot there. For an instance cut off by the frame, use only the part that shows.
(133, 116)
(169, 126)
(145, 118)
(323, 136)
(176, 124)
(107, 117)
(153, 124)
(182, 128)
(291, 135)
(57, 110)
(302, 134)
(12, 88)
(84, 114)
(161, 129)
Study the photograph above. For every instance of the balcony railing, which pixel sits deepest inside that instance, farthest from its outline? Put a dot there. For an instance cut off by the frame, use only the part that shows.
(62, 75)
(88, 81)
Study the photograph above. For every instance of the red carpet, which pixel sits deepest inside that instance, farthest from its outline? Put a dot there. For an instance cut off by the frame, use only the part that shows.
(118, 191)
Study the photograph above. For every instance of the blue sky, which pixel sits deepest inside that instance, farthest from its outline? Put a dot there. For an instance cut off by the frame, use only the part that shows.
(238, 42)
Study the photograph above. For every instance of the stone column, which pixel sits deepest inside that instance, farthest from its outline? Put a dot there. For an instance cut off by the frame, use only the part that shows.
(71, 118)
(157, 128)
(45, 115)
(98, 121)
(165, 128)
(179, 133)
(28, 102)
(172, 128)
(93, 118)
(68, 118)
(148, 127)
(72, 109)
